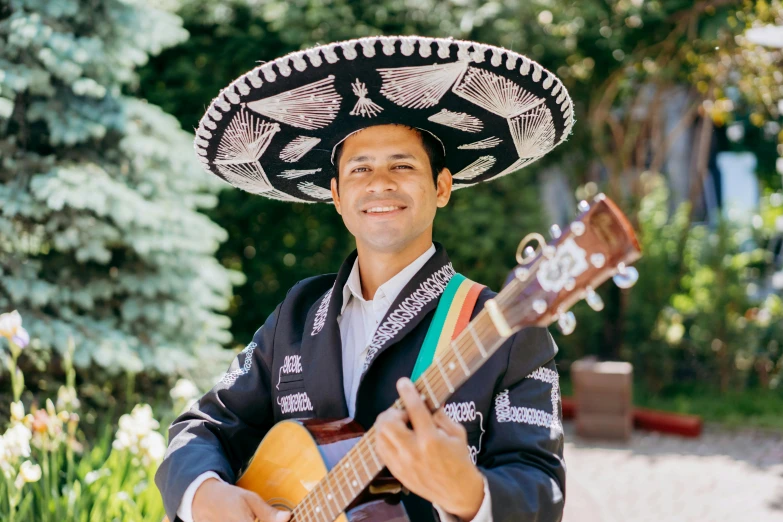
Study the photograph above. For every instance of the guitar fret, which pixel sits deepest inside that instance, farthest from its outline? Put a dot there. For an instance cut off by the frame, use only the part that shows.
(479, 344)
(330, 489)
(374, 457)
(429, 389)
(459, 358)
(345, 499)
(445, 377)
(358, 480)
(318, 509)
(369, 475)
(352, 483)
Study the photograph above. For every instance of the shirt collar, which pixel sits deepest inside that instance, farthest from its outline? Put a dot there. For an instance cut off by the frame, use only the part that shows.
(388, 290)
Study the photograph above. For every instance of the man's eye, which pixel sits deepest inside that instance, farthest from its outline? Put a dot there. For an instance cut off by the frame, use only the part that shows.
(403, 167)
(358, 169)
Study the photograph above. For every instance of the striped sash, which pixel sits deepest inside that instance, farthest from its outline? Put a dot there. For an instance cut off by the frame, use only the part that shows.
(451, 317)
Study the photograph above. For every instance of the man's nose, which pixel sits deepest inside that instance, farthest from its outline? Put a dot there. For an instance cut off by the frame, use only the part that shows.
(382, 180)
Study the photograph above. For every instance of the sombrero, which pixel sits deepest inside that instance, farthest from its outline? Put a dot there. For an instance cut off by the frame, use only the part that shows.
(273, 130)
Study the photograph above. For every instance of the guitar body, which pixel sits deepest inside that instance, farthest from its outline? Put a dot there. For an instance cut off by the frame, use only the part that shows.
(296, 454)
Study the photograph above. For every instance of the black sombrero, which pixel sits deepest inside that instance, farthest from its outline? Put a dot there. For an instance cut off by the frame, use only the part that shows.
(272, 132)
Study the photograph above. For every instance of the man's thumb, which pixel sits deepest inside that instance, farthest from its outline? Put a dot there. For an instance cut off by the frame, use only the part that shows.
(264, 512)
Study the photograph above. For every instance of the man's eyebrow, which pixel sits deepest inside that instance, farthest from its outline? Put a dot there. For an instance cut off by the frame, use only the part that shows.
(397, 156)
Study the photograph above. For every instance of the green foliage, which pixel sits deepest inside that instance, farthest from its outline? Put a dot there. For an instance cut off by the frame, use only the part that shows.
(53, 467)
(700, 312)
(101, 235)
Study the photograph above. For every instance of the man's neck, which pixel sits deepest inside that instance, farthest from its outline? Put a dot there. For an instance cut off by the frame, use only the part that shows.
(375, 268)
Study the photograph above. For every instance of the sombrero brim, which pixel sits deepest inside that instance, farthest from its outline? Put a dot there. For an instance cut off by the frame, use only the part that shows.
(272, 131)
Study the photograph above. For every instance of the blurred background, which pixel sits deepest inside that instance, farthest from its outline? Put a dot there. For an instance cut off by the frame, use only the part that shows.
(137, 277)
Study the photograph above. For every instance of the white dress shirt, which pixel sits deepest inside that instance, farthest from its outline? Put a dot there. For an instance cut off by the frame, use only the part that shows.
(358, 320)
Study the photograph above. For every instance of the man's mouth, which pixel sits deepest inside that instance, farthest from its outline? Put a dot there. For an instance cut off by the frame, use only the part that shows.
(383, 210)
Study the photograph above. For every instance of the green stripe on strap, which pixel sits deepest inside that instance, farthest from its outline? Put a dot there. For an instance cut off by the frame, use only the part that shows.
(427, 352)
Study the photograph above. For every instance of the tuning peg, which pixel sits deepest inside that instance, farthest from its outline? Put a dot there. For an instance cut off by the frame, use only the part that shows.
(554, 231)
(594, 300)
(578, 228)
(566, 323)
(539, 305)
(529, 252)
(626, 276)
(583, 206)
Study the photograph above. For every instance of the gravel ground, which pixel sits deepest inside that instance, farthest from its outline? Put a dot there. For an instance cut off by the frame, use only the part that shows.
(725, 475)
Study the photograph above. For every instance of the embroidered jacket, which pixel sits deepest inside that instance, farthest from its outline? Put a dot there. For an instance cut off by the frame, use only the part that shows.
(293, 369)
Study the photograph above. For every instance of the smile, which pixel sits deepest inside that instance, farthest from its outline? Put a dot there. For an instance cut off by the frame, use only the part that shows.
(383, 210)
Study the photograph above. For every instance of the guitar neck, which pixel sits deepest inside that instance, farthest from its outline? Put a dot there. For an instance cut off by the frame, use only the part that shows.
(359, 467)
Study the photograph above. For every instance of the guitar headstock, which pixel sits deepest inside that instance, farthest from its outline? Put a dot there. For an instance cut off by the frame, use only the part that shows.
(598, 245)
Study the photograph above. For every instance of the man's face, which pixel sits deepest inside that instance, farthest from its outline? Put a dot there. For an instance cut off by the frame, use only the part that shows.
(387, 196)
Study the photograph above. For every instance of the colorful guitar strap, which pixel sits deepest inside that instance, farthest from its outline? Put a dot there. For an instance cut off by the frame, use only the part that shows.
(451, 317)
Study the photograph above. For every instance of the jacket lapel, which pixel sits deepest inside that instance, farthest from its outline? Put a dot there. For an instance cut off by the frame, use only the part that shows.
(322, 359)
(416, 299)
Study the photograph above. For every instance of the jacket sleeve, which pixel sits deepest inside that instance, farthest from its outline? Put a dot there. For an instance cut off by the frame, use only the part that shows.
(523, 462)
(222, 431)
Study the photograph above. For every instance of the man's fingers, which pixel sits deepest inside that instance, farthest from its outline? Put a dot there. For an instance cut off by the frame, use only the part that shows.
(262, 511)
(395, 431)
(451, 427)
(419, 414)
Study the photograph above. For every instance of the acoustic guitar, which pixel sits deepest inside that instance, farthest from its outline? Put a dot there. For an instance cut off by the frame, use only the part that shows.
(326, 470)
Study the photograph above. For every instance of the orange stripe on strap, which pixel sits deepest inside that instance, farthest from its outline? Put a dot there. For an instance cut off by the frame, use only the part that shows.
(467, 309)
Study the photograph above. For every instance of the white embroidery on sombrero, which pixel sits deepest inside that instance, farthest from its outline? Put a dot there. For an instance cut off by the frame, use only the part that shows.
(475, 169)
(524, 69)
(364, 106)
(518, 164)
(284, 196)
(298, 147)
(486, 143)
(293, 174)
(368, 47)
(315, 57)
(245, 139)
(311, 106)
(242, 144)
(495, 93)
(533, 133)
(249, 177)
(420, 86)
(458, 186)
(406, 47)
(314, 191)
(458, 120)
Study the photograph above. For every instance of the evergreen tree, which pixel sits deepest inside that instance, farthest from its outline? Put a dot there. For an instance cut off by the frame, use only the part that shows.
(101, 237)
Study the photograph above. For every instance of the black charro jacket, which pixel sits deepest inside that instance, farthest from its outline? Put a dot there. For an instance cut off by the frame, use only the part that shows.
(293, 369)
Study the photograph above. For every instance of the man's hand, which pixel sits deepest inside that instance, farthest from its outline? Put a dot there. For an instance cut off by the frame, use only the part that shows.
(216, 501)
(432, 459)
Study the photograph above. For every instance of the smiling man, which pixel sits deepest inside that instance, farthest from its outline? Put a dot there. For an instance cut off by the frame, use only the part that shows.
(438, 115)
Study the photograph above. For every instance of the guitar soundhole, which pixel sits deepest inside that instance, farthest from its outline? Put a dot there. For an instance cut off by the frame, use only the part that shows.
(280, 503)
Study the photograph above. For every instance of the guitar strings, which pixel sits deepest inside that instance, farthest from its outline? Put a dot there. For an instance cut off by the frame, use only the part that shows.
(307, 507)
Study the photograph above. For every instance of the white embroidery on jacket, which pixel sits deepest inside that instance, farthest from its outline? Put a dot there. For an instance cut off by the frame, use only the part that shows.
(291, 364)
(230, 378)
(409, 308)
(295, 402)
(466, 412)
(504, 412)
(320, 314)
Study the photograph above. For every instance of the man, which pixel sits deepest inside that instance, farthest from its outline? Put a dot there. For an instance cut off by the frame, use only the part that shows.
(342, 345)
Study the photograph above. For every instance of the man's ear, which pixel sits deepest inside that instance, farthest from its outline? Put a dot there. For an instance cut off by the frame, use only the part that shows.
(335, 196)
(444, 187)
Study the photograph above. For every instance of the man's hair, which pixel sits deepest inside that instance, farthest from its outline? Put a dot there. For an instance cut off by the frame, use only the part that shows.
(432, 147)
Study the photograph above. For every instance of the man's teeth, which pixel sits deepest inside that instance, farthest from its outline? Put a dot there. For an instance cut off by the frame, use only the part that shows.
(381, 209)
